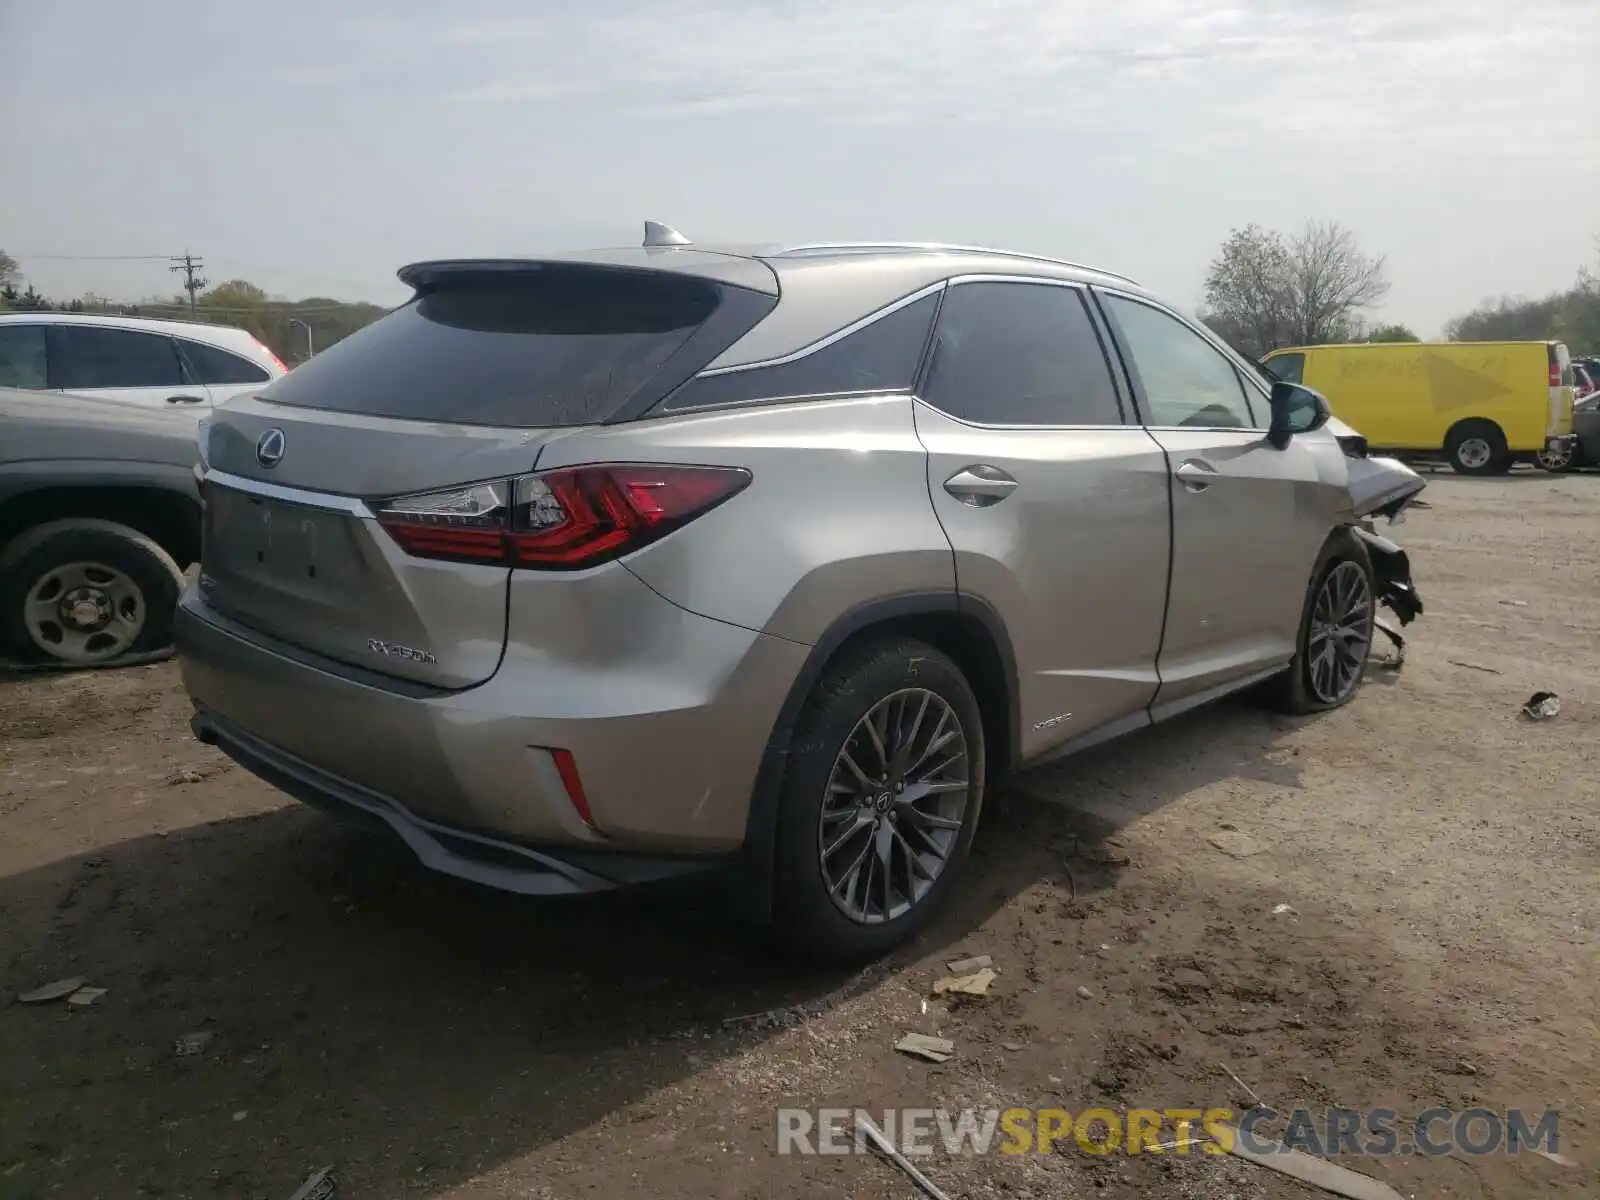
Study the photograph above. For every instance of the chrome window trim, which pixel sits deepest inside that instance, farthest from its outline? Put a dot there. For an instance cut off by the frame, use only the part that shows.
(837, 335)
(350, 505)
(1245, 372)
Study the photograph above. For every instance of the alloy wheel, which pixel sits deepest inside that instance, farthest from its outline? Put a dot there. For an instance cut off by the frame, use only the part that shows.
(1556, 458)
(896, 800)
(1340, 636)
(83, 612)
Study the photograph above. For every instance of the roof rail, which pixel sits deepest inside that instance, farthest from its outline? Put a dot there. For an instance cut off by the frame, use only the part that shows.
(946, 247)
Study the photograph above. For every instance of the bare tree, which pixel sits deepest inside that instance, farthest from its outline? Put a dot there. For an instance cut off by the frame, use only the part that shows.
(8, 269)
(1301, 291)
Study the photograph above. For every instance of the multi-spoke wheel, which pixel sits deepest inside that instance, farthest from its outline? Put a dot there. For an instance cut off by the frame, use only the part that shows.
(1336, 628)
(882, 790)
(895, 805)
(83, 592)
(1341, 632)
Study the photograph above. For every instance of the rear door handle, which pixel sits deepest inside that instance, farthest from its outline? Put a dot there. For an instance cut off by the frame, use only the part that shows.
(980, 485)
(1196, 474)
(186, 399)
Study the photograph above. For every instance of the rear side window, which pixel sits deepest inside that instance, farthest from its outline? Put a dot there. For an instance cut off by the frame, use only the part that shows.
(880, 357)
(1019, 354)
(22, 356)
(208, 364)
(551, 347)
(1291, 368)
(92, 357)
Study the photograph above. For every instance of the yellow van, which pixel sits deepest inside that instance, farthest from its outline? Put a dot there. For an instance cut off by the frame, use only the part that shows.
(1482, 405)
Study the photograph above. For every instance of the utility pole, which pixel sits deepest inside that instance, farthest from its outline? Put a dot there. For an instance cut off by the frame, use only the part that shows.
(189, 266)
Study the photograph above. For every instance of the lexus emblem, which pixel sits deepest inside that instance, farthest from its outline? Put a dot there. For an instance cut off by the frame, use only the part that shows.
(269, 450)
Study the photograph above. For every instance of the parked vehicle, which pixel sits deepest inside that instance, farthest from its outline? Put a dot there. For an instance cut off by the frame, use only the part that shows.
(1583, 382)
(99, 510)
(1586, 434)
(1481, 405)
(596, 569)
(182, 365)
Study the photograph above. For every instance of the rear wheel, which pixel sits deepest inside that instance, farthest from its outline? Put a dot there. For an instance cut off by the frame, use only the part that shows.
(1477, 448)
(882, 791)
(1336, 628)
(83, 592)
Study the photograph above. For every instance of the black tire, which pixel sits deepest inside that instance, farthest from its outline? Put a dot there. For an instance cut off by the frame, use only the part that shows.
(1294, 691)
(28, 558)
(1477, 447)
(809, 921)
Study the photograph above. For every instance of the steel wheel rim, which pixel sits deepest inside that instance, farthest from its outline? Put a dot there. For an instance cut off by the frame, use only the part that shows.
(1341, 633)
(83, 612)
(1474, 452)
(894, 806)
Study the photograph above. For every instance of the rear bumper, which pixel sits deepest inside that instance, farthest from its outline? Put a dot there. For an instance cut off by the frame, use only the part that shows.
(507, 866)
(666, 723)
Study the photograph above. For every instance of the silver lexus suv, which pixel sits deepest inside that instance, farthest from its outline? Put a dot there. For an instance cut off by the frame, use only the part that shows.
(596, 569)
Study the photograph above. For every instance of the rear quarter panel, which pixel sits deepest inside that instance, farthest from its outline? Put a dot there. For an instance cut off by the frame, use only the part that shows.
(837, 513)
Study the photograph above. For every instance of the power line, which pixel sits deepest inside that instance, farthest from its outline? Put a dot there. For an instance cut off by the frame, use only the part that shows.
(91, 257)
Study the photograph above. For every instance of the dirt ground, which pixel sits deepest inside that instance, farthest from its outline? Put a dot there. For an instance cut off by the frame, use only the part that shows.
(1440, 855)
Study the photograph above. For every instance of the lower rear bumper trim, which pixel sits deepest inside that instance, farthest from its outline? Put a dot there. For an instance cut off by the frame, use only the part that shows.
(505, 866)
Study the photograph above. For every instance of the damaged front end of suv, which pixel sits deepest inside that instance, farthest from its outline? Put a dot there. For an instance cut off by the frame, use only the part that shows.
(1383, 487)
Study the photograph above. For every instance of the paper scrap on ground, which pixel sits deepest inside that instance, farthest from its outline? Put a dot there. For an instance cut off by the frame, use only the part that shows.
(921, 1045)
(58, 990)
(1318, 1172)
(976, 984)
(965, 966)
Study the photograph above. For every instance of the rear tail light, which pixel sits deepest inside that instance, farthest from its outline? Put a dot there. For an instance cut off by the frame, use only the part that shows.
(267, 350)
(563, 520)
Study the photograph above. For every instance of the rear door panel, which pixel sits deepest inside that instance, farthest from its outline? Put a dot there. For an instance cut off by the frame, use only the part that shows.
(1075, 557)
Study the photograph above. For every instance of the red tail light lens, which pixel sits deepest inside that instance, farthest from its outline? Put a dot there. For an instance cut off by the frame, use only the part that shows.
(564, 520)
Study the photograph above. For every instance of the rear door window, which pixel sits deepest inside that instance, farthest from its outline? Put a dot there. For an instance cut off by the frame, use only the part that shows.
(553, 347)
(1019, 354)
(96, 357)
(208, 364)
(882, 356)
(22, 357)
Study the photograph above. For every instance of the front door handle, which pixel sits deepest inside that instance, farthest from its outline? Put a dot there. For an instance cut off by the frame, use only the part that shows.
(980, 485)
(186, 399)
(1196, 474)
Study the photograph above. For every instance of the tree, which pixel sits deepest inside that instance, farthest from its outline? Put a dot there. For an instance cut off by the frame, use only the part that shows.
(8, 270)
(1392, 333)
(1269, 290)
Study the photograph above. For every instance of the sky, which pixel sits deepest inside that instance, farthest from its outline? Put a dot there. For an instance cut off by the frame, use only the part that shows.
(314, 148)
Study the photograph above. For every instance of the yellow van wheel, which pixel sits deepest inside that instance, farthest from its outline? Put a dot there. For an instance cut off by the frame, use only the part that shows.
(1477, 447)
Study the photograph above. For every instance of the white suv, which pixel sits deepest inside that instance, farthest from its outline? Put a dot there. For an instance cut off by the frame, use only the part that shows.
(177, 365)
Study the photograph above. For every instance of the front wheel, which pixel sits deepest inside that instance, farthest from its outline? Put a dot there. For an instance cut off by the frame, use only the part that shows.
(882, 791)
(1558, 458)
(1335, 638)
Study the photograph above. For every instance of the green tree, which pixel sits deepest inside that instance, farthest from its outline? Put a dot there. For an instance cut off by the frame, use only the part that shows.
(8, 270)
(1392, 333)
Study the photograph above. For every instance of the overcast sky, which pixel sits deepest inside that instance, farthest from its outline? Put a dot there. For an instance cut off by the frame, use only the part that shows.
(315, 147)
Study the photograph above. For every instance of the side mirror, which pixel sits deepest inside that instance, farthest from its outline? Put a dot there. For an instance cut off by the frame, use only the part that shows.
(1295, 409)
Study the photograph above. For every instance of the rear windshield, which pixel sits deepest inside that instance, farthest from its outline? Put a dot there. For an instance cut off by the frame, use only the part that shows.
(552, 347)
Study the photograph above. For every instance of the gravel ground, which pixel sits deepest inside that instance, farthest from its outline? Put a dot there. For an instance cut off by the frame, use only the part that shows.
(1439, 855)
